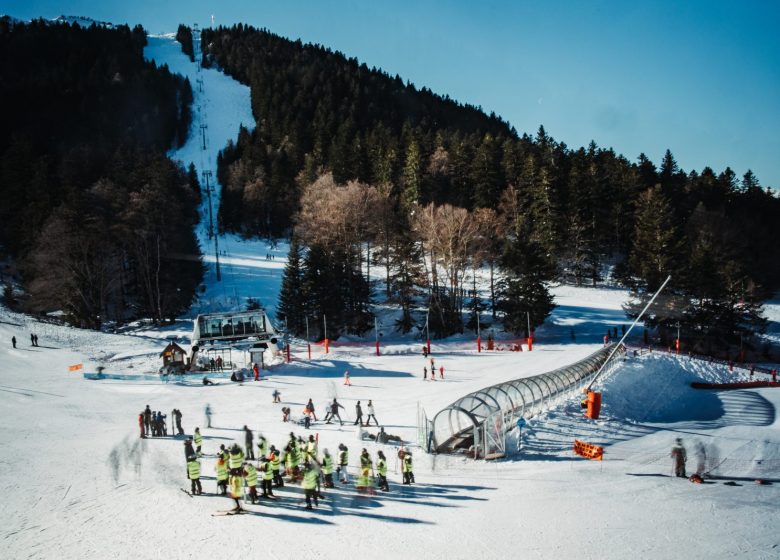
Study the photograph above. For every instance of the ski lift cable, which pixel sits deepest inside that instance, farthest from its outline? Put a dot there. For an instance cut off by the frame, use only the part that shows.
(628, 331)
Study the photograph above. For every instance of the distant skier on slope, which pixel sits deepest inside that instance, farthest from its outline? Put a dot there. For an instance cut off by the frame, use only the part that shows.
(680, 457)
(208, 413)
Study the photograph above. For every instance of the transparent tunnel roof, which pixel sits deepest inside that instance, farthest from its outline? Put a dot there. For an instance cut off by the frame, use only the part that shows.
(454, 426)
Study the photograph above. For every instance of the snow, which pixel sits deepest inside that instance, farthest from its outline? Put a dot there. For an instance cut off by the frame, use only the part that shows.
(78, 482)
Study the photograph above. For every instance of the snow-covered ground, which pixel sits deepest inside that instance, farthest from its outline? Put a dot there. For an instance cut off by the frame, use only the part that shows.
(77, 481)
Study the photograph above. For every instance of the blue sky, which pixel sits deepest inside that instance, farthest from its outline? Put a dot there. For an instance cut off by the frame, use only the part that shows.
(701, 78)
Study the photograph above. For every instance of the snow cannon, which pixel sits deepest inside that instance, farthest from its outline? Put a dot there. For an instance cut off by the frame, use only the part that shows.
(594, 405)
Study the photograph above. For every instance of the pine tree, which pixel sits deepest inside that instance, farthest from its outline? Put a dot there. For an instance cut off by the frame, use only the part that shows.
(523, 295)
(292, 296)
(656, 245)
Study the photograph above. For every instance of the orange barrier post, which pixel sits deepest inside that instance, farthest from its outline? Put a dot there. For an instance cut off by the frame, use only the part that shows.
(594, 405)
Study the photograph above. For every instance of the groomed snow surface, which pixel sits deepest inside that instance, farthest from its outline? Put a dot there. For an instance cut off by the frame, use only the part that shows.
(78, 482)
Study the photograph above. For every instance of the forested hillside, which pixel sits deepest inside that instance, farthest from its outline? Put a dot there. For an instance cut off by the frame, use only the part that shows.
(96, 214)
(349, 158)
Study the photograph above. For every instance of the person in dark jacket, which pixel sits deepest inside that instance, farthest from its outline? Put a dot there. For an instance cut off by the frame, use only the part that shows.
(334, 412)
(147, 419)
(177, 415)
(249, 440)
(358, 414)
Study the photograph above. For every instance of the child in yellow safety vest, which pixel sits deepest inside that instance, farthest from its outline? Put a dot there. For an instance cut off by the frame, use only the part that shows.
(364, 480)
(193, 473)
(251, 481)
(236, 485)
(327, 468)
(267, 474)
(381, 467)
(222, 476)
(310, 477)
(407, 468)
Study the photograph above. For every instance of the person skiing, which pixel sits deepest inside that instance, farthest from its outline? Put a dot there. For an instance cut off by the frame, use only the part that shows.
(310, 476)
(13, 341)
(256, 370)
(32, 339)
(141, 424)
(346, 378)
(147, 419)
(441, 372)
(371, 414)
(381, 467)
(334, 412)
(198, 441)
(251, 480)
(249, 441)
(327, 468)
(310, 409)
(277, 396)
(193, 473)
(358, 414)
(343, 459)
(425, 373)
(407, 468)
(208, 415)
(680, 457)
(222, 476)
(236, 484)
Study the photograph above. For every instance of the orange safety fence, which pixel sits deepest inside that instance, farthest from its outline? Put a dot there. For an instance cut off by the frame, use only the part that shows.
(76, 367)
(589, 451)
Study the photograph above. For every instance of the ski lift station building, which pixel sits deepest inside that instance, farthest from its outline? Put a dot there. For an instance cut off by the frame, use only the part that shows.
(232, 326)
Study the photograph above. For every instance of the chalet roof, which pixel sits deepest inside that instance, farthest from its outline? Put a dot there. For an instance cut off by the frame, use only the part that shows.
(172, 347)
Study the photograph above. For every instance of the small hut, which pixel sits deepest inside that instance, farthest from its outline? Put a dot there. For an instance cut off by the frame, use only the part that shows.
(174, 355)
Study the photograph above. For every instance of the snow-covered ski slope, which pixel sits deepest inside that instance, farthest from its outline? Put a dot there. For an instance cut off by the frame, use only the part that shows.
(221, 106)
(78, 482)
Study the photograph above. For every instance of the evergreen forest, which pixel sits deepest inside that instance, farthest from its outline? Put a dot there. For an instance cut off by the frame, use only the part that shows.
(363, 170)
(98, 218)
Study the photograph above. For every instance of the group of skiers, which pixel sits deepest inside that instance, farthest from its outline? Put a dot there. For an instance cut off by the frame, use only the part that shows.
(33, 340)
(433, 371)
(299, 460)
(310, 415)
(153, 422)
